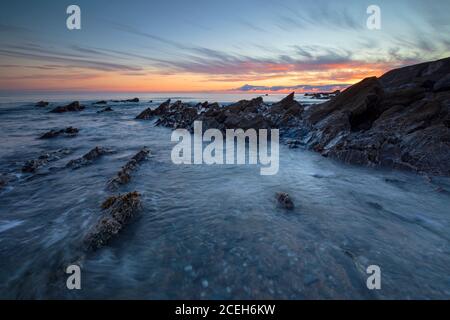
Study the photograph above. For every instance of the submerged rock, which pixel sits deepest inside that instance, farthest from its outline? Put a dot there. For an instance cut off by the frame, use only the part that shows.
(67, 132)
(124, 175)
(285, 200)
(32, 166)
(107, 109)
(42, 104)
(72, 107)
(121, 209)
(88, 158)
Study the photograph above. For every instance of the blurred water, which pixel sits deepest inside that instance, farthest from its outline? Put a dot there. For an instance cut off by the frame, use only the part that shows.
(212, 232)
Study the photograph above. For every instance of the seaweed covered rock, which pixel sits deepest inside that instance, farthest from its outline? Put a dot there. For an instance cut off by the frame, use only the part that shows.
(120, 211)
(67, 132)
(89, 157)
(124, 175)
(72, 107)
(33, 165)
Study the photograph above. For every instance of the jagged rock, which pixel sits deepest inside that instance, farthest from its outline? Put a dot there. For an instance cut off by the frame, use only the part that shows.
(398, 120)
(147, 114)
(107, 109)
(178, 115)
(42, 104)
(32, 165)
(121, 210)
(124, 175)
(285, 200)
(88, 158)
(68, 132)
(72, 107)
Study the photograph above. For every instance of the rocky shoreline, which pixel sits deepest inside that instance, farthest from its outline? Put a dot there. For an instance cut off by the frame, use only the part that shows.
(400, 120)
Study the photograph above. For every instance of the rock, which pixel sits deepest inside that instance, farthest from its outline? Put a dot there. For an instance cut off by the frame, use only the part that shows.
(147, 114)
(323, 95)
(72, 107)
(88, 158)
(177, 115)
(285, 200)
(32, 166)
(124, 175)
(398, 120)
(127, 100)
(101, 102)
(107, 109)
(442, 84)
(42, 104)
(121, 210)
(68, 132)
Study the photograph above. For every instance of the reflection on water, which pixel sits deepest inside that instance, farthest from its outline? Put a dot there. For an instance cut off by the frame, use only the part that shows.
(212, 232)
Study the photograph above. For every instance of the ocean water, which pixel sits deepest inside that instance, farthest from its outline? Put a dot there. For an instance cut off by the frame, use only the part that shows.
(209, 232)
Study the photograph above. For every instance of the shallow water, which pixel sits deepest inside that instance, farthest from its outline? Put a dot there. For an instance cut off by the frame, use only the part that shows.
(212, 232)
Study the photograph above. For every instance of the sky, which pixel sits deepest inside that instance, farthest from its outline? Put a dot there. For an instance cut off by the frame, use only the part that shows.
(213, 46)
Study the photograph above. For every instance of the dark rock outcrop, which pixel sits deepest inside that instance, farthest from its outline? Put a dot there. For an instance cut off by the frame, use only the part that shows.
(67, 132)
(399, 120)
(134, 100)
(148, 113)
(42, 104)
(101, 102)
(121, 209)
(72, 107)
(88, 158)
(124, 175)
(285, 200)
(245, 114)
(32, 166)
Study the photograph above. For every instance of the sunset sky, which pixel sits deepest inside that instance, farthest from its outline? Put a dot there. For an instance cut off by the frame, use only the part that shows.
(210, 45)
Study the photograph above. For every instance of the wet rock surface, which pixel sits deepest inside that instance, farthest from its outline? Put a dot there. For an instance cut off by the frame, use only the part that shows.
(89, 157)
(42, 104)
(124, 175)
(31, 166)
(244, 114)
(72, 107)
(107, 109)
(67, 132)
(399, 120)
(284, 200)
(120, 210)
